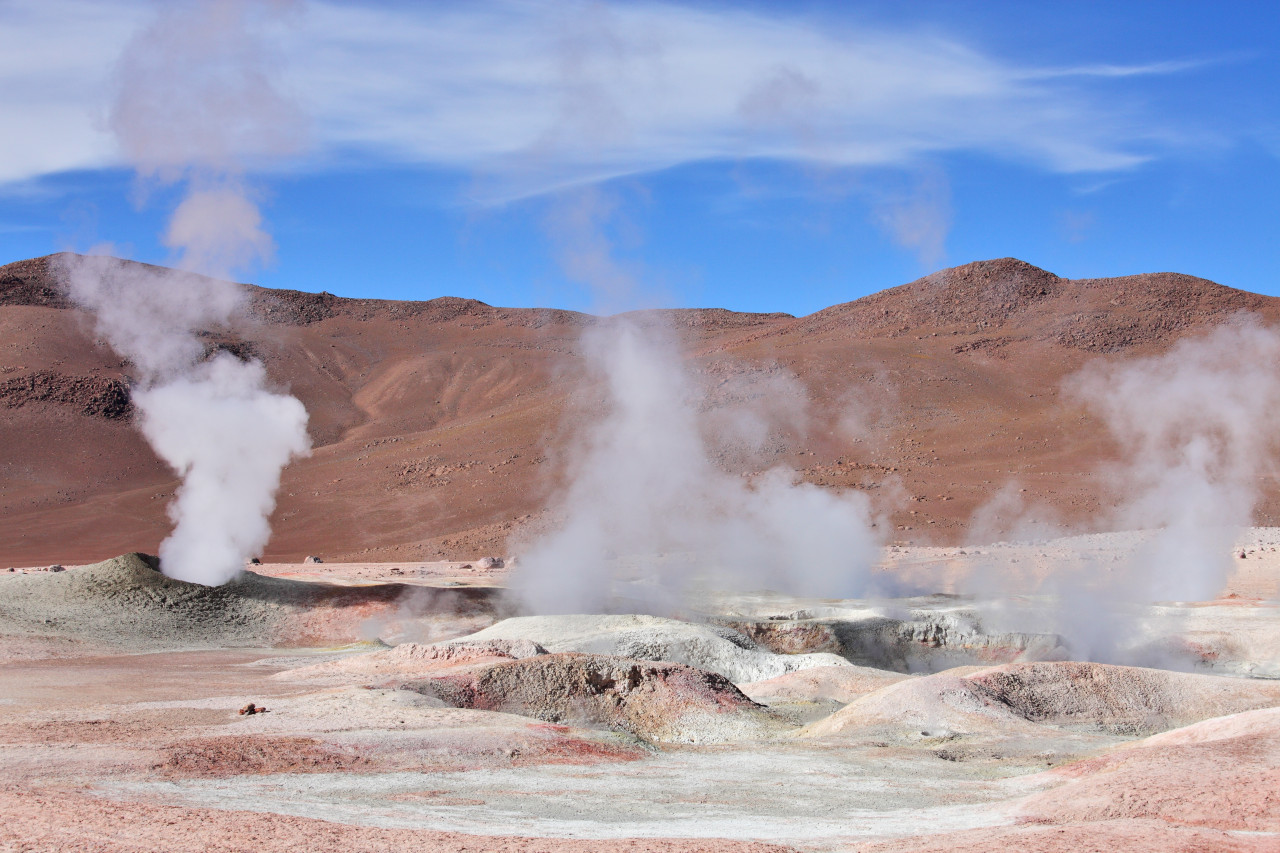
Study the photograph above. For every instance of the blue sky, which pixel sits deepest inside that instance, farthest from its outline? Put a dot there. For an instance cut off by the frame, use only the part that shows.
(755, 156)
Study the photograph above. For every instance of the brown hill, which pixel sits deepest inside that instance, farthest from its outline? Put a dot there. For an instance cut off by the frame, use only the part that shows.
(440, 427)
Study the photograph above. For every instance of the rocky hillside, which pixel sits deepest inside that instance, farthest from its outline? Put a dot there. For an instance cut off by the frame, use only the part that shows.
(443, 427)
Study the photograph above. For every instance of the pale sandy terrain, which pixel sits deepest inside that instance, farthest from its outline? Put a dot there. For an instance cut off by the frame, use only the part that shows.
(887, 725)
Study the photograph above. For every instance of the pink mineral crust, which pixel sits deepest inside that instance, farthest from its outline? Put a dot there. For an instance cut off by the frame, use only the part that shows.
(74, 822)
(1212, 786)
(1221, 774)
(1114, 836)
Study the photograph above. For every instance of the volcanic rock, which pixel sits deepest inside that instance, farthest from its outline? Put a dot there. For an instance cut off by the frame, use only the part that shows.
(93, 396)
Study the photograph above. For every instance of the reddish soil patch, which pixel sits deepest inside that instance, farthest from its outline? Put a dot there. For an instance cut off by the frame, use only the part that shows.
(232, 756)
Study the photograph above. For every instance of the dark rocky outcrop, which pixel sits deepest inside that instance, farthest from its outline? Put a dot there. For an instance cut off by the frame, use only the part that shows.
(94, 396)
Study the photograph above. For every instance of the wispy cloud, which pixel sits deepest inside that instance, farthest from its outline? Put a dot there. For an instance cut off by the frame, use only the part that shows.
(1110, 70)
(535, 96)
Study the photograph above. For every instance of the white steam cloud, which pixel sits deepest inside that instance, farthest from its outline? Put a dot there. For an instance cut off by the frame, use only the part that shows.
(195, 104)
(229, 439)
(1196, 428)
(645, 501)
(1195, 431)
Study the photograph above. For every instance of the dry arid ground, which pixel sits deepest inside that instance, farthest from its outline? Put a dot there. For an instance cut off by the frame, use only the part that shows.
(403, 697)
(408, 707)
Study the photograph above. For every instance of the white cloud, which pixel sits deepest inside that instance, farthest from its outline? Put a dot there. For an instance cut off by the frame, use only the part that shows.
(53, 75)
(530, 96)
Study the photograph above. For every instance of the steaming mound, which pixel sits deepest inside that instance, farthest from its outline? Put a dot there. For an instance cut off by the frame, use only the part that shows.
(413, 660)
(1080, 696)
(127, 602)
(664, 702)
(715, 648)
(1221, 773)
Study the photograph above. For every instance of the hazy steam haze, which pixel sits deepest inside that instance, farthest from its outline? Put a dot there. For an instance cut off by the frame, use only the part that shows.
(1195, 430)
(195, 104)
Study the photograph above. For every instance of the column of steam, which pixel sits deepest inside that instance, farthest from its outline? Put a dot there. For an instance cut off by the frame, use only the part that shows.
(194, 106)
(643, 479)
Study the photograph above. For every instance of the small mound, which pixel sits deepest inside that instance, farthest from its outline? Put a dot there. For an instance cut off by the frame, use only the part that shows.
(943, 704)
(1263, 722)
(843, 684)
(127, 602)
(1119, 699)
(663, 702)
(1220, 774)
(711, 647)
(414, 660)
(1080, 696)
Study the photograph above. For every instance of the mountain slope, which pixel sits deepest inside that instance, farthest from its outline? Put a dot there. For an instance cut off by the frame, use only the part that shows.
(441, 427)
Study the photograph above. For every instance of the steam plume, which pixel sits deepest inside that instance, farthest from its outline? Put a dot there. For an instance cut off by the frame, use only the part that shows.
(1194, 429)
(645, 500)
(195, 105)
